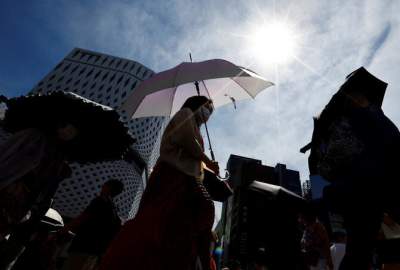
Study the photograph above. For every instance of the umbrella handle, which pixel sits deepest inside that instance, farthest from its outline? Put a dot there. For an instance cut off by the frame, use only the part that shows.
(227, 176)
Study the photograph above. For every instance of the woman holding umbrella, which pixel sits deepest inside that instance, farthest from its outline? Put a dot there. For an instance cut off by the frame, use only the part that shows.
(32, 164)
(172, 229)
(47, 131)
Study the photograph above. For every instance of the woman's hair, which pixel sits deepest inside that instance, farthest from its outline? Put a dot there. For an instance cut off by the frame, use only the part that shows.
(195, 102)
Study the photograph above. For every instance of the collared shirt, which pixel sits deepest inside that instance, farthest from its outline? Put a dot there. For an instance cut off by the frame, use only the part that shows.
(182, 144)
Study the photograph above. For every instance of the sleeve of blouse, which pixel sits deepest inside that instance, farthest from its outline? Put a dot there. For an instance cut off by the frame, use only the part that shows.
(185, 133)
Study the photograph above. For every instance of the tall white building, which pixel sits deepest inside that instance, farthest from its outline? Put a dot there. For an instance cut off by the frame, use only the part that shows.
(107, 80)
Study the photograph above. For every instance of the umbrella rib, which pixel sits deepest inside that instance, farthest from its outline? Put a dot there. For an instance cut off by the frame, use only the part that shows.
(172, 100)
(253, 97)
(205, 87)
(176, 90)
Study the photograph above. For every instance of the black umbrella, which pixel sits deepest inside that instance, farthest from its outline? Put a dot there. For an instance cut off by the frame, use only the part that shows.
(102, 135)
(365, 83)
(360, 81)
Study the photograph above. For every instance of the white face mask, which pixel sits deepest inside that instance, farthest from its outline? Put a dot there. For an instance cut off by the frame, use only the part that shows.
(204, 114)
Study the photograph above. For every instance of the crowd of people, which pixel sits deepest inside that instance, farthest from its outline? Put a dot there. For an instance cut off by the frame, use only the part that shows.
(172, 228)
(173, 225)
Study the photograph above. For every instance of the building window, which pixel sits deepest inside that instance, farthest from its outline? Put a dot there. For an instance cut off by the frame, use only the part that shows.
(66, 67)
(119, 63)
(134, 85)
(97, 74)
(76, 53)
(74, 69)
(82, 70)
(89, 73)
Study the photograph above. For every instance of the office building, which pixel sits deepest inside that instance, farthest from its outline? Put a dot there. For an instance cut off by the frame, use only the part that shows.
(107, 80)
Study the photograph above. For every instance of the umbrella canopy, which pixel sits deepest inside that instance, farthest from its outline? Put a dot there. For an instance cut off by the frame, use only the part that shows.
(364, 82)
(102, 136)
(164, 93)
(360, 81)
(275, 192)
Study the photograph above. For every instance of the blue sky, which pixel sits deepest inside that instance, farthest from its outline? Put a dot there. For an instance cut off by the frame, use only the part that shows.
(334, 38)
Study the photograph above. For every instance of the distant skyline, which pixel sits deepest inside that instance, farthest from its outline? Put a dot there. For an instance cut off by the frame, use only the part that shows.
(333, 38)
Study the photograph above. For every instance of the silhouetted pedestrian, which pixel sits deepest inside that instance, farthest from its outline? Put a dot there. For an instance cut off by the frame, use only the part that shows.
(32, 164)
(94, 229)
(315, 242)
(356, 147)
(172, 227)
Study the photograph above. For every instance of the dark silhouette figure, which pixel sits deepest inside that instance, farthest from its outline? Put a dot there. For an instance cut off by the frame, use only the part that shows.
(355, 147)
(172, 228)
(32, 164)
(94, 229)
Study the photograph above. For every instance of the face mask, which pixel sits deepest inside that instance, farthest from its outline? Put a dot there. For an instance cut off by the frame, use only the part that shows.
(204, 114)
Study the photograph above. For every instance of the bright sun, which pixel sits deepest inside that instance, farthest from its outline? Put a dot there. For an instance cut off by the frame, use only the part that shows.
(275, 42)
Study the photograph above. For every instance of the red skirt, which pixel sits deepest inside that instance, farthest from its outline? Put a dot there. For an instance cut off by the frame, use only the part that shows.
(172, 227)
